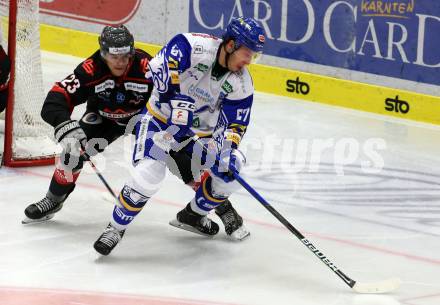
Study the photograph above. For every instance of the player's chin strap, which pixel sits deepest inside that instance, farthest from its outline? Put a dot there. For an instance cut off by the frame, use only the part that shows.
(227, 54)
(378, 287)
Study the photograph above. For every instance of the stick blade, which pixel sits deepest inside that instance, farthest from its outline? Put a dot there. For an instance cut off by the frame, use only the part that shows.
(377, 287)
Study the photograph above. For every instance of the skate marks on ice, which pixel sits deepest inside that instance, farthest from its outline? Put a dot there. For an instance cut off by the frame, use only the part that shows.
(388, 198)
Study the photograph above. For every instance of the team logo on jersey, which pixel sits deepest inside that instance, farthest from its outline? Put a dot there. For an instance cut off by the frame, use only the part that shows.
(120, 97)
(88, 66)
(159, 72)
(196, 123)
(108, 84)
(201, 94)
(117, 114)
(175, 53)
(198, 49)
(204, 35)
(191, 74)
(227, 87)
(136, 87)
(201, 67)
(104, 96)
(139, 98)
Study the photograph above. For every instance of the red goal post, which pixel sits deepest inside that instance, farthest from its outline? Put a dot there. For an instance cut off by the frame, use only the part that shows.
(28, 140)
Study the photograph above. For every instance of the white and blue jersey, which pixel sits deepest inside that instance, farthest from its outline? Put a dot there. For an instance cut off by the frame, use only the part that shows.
(222, 104)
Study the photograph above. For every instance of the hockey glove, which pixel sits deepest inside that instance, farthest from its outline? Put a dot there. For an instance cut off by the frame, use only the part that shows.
(182, 111)
(230, 161)
(71, 137)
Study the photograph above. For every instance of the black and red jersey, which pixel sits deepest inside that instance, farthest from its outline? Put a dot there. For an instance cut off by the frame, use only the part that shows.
(114, 98)
(5, 67)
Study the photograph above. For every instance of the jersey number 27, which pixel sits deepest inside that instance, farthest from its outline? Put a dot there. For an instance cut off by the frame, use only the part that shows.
(243, 114)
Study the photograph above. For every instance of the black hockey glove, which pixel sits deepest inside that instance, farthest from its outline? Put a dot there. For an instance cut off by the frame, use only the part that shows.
(71, 137)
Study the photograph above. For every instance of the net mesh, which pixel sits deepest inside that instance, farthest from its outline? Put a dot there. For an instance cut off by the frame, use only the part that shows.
(32, 137)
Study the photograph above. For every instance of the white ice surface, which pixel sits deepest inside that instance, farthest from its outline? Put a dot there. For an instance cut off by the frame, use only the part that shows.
(372, 223)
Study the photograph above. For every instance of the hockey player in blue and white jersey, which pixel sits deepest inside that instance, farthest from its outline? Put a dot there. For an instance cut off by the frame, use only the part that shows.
(202, 87)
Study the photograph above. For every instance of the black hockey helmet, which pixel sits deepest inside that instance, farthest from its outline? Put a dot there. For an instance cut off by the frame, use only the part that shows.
(116, 40)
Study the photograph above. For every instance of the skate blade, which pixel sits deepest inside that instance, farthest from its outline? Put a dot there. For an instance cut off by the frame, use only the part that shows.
(240, 234)
(180, 225)
(27, 220)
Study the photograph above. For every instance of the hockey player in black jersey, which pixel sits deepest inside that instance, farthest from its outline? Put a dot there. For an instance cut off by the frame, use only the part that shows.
(112, 82)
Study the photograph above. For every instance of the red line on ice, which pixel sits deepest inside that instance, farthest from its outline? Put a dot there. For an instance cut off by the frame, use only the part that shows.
(36, 296)
(334, 239)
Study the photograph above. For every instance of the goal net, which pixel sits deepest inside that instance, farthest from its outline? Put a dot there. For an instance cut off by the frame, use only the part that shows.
(28, 139)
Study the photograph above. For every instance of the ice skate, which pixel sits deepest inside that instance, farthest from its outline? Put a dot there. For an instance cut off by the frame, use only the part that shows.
(108, 240)
(188, 220)
(42, 210)
(232, 221)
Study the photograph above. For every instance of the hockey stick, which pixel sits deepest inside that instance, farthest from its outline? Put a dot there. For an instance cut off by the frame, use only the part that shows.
(376, 287)
(86, 157)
